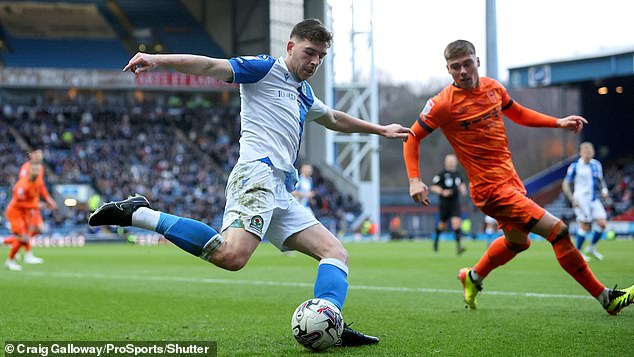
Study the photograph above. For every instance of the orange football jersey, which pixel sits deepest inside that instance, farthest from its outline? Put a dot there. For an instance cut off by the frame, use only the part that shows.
(472, 123)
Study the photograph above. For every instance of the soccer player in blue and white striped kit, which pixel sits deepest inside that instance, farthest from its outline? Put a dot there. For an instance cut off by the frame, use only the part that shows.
(586, 174)
(276, 103)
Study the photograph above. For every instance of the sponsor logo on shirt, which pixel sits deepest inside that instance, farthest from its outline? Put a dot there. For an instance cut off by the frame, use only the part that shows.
(493, 114)
(285, 94)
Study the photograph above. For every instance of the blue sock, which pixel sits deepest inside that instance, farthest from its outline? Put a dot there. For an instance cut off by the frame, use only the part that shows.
(580, 239)
(331, 283)
(596, 236)
(188, 234)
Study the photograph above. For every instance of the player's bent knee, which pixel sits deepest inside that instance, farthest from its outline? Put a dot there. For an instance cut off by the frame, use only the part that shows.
(518, 247)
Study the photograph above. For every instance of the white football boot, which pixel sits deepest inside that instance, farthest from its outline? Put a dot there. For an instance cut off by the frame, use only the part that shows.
(29, 258)
(12, 265)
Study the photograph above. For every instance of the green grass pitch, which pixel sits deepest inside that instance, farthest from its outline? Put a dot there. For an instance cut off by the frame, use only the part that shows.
(400, 291)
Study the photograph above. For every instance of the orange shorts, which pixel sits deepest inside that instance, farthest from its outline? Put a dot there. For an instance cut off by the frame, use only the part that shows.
(508, 204)
(21, 220)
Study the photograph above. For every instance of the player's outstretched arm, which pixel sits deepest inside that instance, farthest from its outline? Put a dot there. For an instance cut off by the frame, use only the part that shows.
(193, 64)
(528, 117)
(343, 122)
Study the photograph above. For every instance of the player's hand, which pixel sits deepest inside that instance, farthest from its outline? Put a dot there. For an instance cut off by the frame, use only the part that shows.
(447, 192)
(52, 205)
(573, 123)
(397, 131)
(419, 192)
(141, 62)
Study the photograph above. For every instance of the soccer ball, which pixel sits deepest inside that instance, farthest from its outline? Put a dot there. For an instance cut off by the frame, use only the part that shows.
(317, 324)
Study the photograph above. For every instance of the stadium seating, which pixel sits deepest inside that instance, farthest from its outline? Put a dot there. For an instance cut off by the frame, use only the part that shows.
(172, 25)
(167, 22)
(180, 157)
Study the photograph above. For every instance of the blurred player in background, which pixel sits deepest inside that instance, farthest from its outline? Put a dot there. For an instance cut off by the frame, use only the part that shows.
(449, 186)
(304, 190)
(36, 223)
(37, 157)
(586, 174)
(21, 213)
(469, 112)
(277, 101)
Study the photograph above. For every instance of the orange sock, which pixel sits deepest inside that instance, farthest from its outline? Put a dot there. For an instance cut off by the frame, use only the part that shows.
(571, 260)
(15, 246)
(499, 253)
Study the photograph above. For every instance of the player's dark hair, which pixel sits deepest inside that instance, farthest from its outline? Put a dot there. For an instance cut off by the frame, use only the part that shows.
(312, 30)
(459, 48)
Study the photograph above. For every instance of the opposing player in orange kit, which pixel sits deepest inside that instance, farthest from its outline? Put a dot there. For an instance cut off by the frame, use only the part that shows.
(469, 113)
(37, 157)
(21, 214)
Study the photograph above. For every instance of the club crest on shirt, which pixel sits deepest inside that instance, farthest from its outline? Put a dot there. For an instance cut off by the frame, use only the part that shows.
(492, 96)
(257, 223)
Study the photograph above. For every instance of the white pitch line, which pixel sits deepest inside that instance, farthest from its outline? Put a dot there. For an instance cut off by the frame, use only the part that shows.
(286, 283)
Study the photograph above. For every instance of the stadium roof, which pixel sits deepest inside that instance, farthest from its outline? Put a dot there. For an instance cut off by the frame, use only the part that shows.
(605, 64)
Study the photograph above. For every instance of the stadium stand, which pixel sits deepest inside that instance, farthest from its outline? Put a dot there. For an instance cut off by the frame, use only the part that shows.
(171, 25)
(179, 156)
(59, 38)
(103, 37)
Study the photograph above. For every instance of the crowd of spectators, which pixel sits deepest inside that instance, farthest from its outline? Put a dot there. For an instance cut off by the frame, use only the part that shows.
(618, 176)
(334, 209)
(178, 156)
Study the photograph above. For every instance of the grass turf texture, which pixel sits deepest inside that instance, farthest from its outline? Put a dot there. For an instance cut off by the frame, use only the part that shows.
(400, 291)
